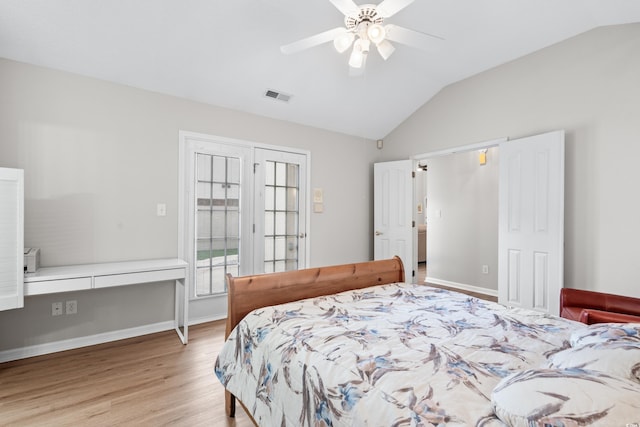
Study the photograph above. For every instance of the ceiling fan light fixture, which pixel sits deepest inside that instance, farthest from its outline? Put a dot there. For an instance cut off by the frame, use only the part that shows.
(365, 24)
(385, 49)
(357, 58)
(358, 72)
(362, 45)
(376, 33)
(343, 41)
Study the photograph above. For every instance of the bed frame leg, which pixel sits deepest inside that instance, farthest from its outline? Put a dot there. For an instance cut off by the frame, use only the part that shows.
(230, 404)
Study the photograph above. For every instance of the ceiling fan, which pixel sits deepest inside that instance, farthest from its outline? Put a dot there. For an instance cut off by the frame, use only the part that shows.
(363, 27)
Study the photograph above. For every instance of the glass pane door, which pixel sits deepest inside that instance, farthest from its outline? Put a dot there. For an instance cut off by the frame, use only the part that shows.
(281, 218)
(280, 211)
(242, 212)
(217, 221)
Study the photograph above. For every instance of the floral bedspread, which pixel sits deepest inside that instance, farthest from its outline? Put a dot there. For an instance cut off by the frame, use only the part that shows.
(391, 355)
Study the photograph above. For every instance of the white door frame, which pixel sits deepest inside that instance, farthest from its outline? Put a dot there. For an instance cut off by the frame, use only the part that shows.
(214, 307)
(445, 152)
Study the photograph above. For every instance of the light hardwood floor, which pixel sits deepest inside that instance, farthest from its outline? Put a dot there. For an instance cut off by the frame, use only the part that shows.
(152, 380)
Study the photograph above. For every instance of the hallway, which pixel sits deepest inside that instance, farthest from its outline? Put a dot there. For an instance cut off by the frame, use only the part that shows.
(422, 274)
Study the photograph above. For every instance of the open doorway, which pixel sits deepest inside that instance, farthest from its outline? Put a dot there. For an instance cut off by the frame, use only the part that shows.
(456, 214)
(528, 221)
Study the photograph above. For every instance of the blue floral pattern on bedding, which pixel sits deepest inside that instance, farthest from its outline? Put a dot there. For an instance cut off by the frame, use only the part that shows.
(599, 333)
(391, 355)
(566, 398)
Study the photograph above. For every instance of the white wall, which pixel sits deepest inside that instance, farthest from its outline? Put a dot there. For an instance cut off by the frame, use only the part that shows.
(462, 220)
(98, 157)
(588, 85)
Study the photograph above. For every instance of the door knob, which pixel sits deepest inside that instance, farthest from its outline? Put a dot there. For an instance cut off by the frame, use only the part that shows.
(378, 233)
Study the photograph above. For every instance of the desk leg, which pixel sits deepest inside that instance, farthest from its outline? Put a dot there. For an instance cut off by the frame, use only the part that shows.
(181, 319)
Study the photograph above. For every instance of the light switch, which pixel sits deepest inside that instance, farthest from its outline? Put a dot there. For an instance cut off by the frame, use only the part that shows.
(317, 195)
(161, 209)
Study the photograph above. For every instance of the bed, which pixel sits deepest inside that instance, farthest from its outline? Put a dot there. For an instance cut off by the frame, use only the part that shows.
(353, 345)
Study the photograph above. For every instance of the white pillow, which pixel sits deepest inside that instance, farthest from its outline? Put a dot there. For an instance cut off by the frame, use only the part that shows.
(620, 359)
(606, 332)
(561, 397)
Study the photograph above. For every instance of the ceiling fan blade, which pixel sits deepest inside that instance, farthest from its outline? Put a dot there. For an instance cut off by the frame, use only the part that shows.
(312, 41)
(347, 7)
(390, 7)
(413, 38)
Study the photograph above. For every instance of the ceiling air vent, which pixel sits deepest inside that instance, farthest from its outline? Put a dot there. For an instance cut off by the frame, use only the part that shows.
(277, 95)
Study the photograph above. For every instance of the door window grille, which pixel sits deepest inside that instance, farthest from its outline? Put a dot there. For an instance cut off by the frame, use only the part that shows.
(281, 216)
(217, 222)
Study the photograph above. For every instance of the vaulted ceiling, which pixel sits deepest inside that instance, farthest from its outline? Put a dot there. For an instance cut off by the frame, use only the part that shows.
(227, 53)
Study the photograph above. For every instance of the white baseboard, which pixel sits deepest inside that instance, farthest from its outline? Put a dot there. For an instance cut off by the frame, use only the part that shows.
(462, 286)
(53, 347)
(206, 319)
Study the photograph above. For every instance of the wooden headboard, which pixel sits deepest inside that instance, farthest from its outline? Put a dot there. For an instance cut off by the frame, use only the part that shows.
(246, 293)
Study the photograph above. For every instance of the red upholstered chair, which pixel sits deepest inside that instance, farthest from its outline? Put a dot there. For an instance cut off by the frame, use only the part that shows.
(598, 307)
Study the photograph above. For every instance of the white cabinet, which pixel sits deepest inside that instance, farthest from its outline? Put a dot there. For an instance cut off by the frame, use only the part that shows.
(11, 238)
(32, 286)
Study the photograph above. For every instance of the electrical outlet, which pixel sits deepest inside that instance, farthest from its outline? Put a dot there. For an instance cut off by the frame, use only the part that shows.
(485, 269)
(56, 309)
(72, 307)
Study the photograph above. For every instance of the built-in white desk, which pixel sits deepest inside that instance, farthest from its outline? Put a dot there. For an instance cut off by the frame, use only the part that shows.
(50, 280)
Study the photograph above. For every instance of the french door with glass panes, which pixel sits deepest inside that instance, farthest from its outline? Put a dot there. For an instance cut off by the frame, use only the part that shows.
(280, 214)
(219, 230)
(245, 211)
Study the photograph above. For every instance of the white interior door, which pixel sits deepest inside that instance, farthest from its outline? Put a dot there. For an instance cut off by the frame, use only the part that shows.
(531, 222)
(392, 213)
